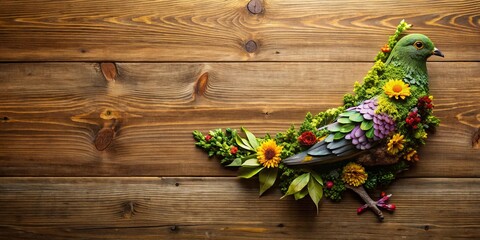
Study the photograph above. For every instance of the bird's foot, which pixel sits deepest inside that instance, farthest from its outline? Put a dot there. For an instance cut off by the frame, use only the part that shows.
(374, 205)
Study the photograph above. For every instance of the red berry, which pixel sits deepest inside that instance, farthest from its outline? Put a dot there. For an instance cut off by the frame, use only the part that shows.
(391, 207)
(208, 138)
(233, 150)
(329, 184)
(360, 210)
(383, 194)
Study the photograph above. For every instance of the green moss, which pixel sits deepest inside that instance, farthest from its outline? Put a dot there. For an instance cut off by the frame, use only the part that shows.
(287, 175)
(392, 40)
(381, 176)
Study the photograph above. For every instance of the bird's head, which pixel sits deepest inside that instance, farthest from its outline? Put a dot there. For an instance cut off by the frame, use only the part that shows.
(416, 47)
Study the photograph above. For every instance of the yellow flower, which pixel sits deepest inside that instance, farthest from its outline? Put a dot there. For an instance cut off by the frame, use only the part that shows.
(268, 154)
(411, 156)
(395, 144)
(396, 88)
(354, 174)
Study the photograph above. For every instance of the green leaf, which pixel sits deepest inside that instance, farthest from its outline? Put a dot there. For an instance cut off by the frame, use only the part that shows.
(247, 172)
(301, 194)
(297, 184)
(347, 128)
(333, 127)
(339, 135)
(330, 138)
(344, 120)
(253, 162)
(356, 117)
(237, 162)
(240, 143)
(315, 190)
(366, 125)
(251, 139)
(267, 178)
(316, 177)
(370, 133)
(346, 114)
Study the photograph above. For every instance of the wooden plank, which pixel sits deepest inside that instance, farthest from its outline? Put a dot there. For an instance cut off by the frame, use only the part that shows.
(210, 30)
(52, 112)
(226, 208)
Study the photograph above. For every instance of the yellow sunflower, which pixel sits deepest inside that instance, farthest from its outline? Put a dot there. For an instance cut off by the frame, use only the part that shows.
(354, 174)
(396, 88)
(268, 154)
(395, 144)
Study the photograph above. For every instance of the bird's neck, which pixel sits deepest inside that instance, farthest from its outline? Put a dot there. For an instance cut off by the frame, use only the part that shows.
(415, 69)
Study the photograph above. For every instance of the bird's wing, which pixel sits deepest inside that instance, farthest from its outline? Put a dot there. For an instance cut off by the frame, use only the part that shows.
(355, 130)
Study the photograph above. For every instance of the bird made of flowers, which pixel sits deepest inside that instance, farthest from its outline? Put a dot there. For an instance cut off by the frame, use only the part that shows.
(361, 145)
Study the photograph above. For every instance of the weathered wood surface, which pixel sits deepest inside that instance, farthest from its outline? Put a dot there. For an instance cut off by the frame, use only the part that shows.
(53, 111)
(164, 68)
(226, 208)
(211, 30)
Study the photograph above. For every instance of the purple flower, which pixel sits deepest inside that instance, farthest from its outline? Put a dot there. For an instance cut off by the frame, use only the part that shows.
(383, 125)
(358, 138)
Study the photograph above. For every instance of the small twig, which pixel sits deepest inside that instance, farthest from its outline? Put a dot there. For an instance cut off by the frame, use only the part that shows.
(360, 190)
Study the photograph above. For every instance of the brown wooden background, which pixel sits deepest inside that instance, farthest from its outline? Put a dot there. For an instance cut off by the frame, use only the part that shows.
(67, 68)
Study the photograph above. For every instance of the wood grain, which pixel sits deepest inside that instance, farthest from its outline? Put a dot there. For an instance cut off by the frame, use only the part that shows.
(52, 113)
(210, 30)
(226, 208)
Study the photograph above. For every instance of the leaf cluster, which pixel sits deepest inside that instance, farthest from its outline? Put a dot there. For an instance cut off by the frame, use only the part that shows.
(219, 143)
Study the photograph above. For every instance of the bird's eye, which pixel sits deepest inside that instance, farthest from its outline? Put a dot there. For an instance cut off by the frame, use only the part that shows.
(418, 45)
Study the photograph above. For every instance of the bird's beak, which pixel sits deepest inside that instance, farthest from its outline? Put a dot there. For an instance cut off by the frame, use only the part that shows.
(437, 52)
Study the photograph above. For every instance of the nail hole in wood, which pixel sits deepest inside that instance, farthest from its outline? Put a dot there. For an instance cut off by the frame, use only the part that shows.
(6, 118)
(177, 184)
(255, 6)
(83, 50)
(251, 46)
(426, 227)
(280, 225)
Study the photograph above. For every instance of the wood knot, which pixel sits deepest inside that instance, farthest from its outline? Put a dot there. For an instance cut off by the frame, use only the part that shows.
(109, 71)
(476, 139)
(201, 84)
(105, 136)
(251, 46)
(174, 228)
(128, 209)
(255, 6)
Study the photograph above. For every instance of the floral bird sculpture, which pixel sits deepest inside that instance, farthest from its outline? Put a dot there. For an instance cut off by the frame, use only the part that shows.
(362, 144)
